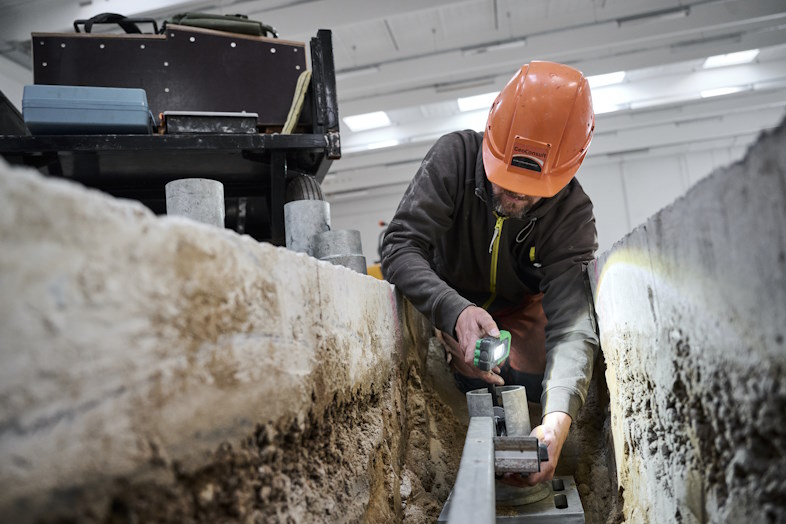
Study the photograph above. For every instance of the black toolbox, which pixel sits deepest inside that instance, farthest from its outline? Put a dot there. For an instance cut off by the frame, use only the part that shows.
(184, 69)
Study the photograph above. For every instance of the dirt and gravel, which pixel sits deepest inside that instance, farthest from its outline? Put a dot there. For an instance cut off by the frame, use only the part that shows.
(387, 456)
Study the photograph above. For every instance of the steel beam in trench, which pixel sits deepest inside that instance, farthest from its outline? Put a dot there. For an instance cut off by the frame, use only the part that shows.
(473, 497)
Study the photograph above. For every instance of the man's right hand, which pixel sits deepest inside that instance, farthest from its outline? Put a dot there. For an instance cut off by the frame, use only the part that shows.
(473, 323)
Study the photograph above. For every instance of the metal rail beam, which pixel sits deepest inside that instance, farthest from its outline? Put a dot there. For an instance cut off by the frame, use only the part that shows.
(473, 498)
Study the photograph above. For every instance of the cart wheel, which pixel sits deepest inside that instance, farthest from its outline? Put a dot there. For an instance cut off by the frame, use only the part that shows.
(304, 187)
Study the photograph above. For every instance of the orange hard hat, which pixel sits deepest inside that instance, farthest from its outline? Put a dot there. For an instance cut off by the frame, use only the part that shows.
(539, 129)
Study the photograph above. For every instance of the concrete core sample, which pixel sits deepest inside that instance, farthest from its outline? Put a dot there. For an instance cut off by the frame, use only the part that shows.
(199, 199)
(341, 247)
(303, 221)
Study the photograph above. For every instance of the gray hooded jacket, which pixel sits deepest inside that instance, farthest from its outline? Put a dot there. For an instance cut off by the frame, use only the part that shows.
(446, 249)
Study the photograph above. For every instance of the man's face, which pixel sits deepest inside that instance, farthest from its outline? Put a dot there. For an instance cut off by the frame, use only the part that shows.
(510, 204)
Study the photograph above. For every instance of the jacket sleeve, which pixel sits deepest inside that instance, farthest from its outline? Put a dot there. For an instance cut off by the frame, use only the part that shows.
(571, 338)
(426, 212)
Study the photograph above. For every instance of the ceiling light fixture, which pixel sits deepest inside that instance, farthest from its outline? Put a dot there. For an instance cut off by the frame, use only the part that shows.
(720, 91)
(656, 16)
(472, 103)
(740, 57)
(606, 80)
(367, 121)
(383, 144)
(352, 73)
(503, 46)
(608, 101)
(599, 109)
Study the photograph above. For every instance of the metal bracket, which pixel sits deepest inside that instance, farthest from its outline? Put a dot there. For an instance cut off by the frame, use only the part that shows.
(516, 455)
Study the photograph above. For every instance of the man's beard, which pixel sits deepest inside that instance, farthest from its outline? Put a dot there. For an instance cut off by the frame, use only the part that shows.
(513, 209)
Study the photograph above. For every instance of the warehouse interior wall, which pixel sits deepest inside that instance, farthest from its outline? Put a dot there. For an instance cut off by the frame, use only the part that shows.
(415, 61)
(13, 80)
(625, 191)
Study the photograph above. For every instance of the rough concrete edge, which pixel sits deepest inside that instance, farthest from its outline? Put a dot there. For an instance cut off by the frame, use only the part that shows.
(137, 210)
(640, 230)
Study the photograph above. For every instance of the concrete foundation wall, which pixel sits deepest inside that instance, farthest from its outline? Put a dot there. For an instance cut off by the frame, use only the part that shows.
(692, 315)
(143, 349)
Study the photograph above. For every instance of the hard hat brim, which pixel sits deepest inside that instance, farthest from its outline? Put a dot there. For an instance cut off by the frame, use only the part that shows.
(523, 182)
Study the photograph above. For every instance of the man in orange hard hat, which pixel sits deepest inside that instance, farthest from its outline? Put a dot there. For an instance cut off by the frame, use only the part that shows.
(495, 232)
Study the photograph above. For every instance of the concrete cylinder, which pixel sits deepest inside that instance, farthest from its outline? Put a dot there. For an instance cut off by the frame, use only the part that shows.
(303, 221)
(514, 401)
(341, 247)
(354, 262)
(337, 243)
(199, 199)
(479, 403)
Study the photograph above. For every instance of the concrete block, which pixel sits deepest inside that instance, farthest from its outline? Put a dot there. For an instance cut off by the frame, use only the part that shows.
(129, 341)
(692, 314)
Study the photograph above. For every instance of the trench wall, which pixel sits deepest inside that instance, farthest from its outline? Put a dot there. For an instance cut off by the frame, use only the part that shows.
(692, 314)
(154, 369)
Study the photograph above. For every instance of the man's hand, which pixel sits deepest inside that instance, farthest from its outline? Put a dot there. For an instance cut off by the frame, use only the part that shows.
(553, 431)
(473, 323)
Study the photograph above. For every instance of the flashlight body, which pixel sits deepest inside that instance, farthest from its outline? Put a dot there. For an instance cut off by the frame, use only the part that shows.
(492, 351)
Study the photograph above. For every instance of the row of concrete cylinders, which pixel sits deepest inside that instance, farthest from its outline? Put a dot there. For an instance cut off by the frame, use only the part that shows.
(306, 222)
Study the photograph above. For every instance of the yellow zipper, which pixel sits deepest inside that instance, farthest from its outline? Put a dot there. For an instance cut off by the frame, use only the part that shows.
(494, 250)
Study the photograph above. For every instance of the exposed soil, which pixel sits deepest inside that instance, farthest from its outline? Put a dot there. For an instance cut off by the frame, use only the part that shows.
(590, 440)
(390, 456)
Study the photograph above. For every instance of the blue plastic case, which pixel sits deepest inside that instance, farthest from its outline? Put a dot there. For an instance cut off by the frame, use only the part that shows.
(77, 110)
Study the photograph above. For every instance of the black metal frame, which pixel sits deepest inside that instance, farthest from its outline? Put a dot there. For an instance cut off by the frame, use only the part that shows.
(252, 165)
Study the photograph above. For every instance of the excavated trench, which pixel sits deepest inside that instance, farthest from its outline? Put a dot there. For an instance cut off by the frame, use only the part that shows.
(302, 392)
(388, 456)
(155, 370)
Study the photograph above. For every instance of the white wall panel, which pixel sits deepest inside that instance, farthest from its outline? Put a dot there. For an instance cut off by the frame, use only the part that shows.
(364, 215)
(13, 80)
(624, 193)
(650, 185)
(604, 185)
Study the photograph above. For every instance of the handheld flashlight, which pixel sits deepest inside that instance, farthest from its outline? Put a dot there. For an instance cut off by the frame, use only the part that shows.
(492, 351)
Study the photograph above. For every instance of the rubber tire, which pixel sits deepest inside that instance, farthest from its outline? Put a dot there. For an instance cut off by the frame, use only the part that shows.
(303, 187)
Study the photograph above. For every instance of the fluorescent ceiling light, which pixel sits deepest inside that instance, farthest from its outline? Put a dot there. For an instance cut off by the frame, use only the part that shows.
(606, 80)
(741, 57)
(471, 103)
(658, 16)
(477, 121)
(351, 73)
(514, 44)
(606, 108)
(708, 93)
(607, 101)
(367, 121)
(384, 143)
